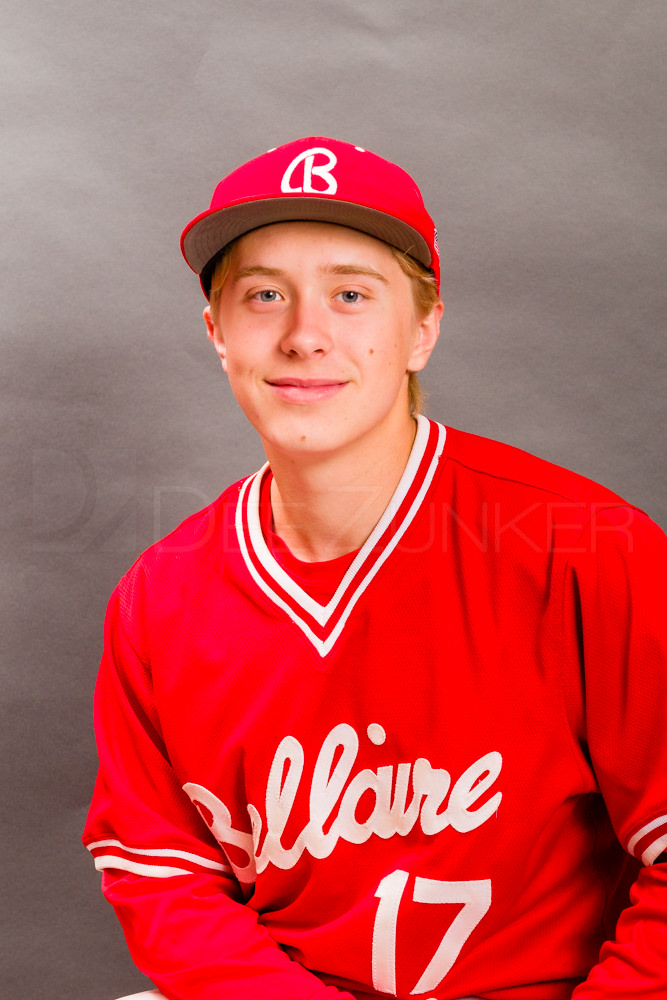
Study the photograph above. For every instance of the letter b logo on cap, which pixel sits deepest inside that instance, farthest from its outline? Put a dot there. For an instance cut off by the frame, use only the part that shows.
(310, 169)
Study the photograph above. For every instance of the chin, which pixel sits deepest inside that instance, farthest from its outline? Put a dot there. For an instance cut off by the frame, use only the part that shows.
(308, 443)
(304, 437)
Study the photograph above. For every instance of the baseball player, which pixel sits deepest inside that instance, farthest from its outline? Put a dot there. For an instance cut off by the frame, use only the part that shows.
(388, 717)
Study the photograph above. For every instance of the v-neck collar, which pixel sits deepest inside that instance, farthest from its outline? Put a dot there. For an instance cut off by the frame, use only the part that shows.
(322, 624)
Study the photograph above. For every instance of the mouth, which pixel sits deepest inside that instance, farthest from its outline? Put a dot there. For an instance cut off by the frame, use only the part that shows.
(305, 390)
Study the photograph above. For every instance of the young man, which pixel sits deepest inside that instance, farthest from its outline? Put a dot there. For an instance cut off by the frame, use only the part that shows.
(388, 717)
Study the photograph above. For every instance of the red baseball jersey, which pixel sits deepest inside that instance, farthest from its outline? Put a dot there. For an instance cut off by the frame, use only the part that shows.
(429, 784)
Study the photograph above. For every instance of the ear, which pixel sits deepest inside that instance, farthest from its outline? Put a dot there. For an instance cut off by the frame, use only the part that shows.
(427, 333)
(214, 334)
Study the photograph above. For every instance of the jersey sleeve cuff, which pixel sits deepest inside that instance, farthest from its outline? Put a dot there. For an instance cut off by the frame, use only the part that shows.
(649, 842)
(155, 862)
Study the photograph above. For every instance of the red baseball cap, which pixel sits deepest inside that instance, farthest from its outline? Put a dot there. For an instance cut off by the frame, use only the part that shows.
(318, 180)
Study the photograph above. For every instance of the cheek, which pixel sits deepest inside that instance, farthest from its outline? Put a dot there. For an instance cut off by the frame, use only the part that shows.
(392, 349)
(239, 381)
(246, 384)
(239, 364)
(388, 359)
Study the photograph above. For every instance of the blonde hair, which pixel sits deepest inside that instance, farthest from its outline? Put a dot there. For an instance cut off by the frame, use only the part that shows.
(424, 292)
(425, 296)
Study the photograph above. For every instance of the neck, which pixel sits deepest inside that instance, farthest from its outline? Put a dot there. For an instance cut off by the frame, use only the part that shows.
(326, 506)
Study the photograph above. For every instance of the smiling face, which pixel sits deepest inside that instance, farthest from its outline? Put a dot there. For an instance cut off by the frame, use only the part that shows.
(316, 327)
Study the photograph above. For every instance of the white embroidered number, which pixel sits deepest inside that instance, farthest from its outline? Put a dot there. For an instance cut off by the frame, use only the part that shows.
(390, 892)
(476, 899)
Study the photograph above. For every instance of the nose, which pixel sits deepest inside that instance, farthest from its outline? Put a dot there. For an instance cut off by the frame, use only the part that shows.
(307, 328)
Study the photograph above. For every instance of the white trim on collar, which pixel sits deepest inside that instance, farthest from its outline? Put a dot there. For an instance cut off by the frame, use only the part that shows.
(279, 586)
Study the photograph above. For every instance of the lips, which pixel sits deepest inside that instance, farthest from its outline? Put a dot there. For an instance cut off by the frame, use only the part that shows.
(305, 390)
(305, 383)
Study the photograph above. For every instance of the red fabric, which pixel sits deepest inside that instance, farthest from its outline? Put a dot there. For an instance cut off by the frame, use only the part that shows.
(196, 942)
(634, 965)
(470, 739)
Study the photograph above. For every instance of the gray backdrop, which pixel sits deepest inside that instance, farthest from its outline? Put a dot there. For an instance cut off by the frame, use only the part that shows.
(536, 130)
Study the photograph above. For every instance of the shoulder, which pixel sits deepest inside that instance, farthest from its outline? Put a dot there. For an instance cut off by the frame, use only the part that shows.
(525, 499)
(192, 551)
(505, 469)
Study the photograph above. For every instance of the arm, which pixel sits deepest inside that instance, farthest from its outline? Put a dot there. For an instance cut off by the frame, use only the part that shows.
(634, 965)
(181, 908)
(196, 943)
(624, 637)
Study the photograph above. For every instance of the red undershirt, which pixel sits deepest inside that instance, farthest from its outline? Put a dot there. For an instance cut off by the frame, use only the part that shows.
(318, 579)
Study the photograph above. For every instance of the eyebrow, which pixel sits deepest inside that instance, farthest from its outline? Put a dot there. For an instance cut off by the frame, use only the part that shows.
(356, 269)
(248, 272)
(275, 272)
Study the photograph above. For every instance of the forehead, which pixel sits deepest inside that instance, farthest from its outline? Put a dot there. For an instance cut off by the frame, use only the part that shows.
(318, 242)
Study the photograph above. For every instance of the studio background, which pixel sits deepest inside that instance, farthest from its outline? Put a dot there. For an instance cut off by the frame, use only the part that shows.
(536, 132)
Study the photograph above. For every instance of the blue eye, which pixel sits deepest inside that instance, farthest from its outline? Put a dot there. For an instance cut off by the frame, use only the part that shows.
(267, 295)
(350, 296)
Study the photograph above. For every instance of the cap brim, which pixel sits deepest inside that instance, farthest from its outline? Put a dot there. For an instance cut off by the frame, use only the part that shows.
(211, 231)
